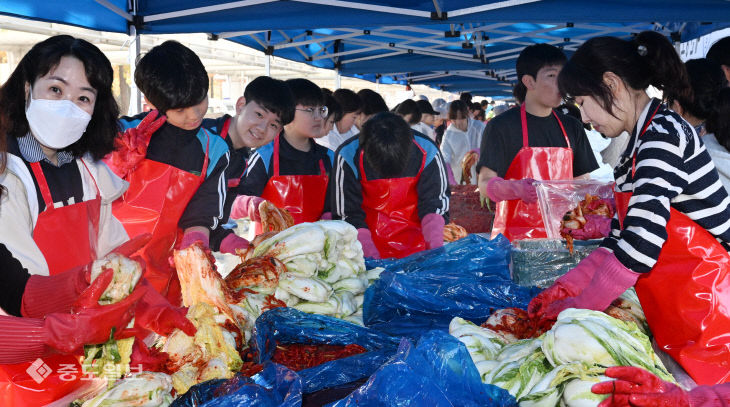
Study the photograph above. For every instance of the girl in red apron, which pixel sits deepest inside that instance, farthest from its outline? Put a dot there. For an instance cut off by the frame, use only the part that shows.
(55, 214)
(672, 231)
(301, 187)
(392, 186)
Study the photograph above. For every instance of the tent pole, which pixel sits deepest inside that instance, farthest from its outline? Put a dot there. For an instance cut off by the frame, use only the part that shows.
(135, 48)
(338, 79)
(268, 65)
(377, 84)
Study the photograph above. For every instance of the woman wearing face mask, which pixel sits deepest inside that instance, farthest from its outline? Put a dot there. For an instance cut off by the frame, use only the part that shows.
(58, 118)
(458, 140)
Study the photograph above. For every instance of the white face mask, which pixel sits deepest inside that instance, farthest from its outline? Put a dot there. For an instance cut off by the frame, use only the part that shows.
(56, 123)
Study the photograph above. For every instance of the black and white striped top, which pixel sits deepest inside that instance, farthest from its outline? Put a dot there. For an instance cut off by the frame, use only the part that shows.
(673, 168)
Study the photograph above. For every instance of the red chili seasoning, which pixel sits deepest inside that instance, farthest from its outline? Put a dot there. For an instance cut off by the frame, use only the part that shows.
(299, 357)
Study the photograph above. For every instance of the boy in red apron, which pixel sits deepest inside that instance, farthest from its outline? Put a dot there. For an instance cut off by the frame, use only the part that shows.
(531, 143)
(391, 184)
(175, 168)
(292, 171)
(266, 106)
(671, 234)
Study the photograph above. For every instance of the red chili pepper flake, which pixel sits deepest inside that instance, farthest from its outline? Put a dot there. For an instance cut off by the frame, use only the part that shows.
(271, 302)
(299, 356)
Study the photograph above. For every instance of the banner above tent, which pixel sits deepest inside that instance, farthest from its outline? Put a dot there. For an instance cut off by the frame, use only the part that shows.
(439, 43)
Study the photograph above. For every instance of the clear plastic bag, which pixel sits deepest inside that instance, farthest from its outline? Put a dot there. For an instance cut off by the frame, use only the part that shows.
(540, 262)
(558, 197)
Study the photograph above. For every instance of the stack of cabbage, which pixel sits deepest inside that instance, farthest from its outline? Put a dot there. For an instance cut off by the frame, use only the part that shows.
(144, 389)
(325, 270)
(561, 365)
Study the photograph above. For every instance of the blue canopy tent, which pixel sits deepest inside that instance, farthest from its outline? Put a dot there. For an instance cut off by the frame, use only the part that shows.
(454, 45)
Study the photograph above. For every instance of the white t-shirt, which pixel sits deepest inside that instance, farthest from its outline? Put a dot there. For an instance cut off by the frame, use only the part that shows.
(604, 172)
(456, 143)
(424, 128)
(334, 138)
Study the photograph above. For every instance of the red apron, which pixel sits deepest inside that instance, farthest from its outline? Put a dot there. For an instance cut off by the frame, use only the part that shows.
(156, 199)
(516, 219)
(66, 235)
(67, 238)
(302, 195)
(391, 212)
(686, 296)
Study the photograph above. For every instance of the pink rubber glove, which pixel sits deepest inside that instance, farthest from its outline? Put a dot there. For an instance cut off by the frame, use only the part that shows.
(326, 216)
(432, 226)
(450, 175)
(230, 243)
(596, 227)
(499, 189)
(368, 246)
(637, 387)
(191, 237)
(568, 285)
(610, 280)
(245, 206)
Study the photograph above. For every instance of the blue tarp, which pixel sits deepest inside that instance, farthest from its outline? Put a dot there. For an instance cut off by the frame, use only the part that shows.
(405, 40)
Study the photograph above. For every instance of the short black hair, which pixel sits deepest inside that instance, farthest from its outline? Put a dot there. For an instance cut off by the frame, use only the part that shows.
(484, 103)
(531, 60)
(465, 97)
(720, 52)
(305, 92)
(372, 102)
(719, 121)
(707, 79)
(407, 107)
(456, 107)
(333, 108)
(385, 140)
(171, 76)
(98, 139)
(273, 95)
(348, 100)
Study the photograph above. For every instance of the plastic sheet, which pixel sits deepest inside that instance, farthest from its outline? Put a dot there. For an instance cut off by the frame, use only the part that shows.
(558, 197)
(468, 278)
(540, 262)
(287, 325)
(275, 386)
(438, 372)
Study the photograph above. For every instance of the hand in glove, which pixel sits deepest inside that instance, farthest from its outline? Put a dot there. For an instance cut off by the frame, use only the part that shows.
(368, 246)
(568, 285)
(155, 313)
(499, 189)
(192, 236)
(246, 206)
(232, 242)
(610, 279)
(596, 227)
(432, 227)
(47, 294)
(131, 146)
(149, 360)
(637, 387)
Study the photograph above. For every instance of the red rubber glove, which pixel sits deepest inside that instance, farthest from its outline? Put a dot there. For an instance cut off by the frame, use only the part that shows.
(145, 359)
(432, 227)
(499, 189)
(368, 246)
(131, 146)
(637, 387)
(90, 323)
(195, 236)
(609, 281)
(246, 206)
(44, 295)
(568, 285)
(232, 242)
(155, 313)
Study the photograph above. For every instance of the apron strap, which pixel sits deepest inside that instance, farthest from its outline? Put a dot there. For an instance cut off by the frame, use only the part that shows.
(636, 145)
(523, 119)
(321, 168)
(276, 157)
(42, 184)
(98, 193)
(224, 130)
(362, 167)
(206, 160)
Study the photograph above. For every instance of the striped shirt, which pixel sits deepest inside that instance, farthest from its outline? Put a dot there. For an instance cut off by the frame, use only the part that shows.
(673, 169)
(433, 187)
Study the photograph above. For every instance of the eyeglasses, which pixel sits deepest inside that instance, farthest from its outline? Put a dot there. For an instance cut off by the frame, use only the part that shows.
(316, 112)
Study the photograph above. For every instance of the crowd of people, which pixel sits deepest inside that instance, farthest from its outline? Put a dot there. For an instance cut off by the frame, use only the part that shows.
(79, 182)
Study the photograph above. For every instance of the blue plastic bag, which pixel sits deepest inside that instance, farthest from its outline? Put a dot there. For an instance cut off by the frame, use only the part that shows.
(288, 325)
(274, 386)
(438, 372)
(469, 278)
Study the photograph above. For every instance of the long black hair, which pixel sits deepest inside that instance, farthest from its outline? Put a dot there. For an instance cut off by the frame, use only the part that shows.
(647, 59)
(719, 120)
(707, 79)
(98, 139)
